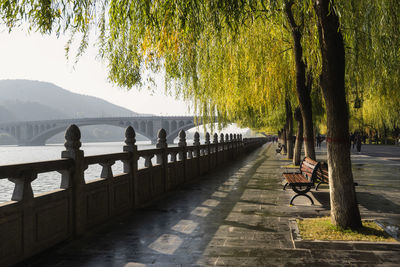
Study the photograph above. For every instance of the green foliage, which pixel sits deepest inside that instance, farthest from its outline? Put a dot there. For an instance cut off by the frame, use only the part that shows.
(230, 58)
(372, 38)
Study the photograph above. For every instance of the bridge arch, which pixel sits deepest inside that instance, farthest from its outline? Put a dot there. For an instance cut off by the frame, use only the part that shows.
(7, 132)
(42, 137)
(174, 126)
(165, 126)
(149, 128)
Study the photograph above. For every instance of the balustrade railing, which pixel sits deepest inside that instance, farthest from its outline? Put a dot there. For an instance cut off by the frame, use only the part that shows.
(32, 223)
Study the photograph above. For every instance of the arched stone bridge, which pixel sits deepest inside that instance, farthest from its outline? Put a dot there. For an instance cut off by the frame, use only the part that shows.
(33, 133)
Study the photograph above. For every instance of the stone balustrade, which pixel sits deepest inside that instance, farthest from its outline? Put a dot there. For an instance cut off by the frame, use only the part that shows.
(30, 223)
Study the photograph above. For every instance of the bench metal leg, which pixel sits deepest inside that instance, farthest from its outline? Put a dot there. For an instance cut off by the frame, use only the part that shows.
(316, 188)
(284, 187)
(307, 196)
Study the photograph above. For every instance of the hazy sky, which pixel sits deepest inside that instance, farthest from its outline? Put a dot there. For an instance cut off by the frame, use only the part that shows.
(39, 57)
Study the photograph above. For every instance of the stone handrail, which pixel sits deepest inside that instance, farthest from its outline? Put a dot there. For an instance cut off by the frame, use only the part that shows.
(33, 223)
(15, 170)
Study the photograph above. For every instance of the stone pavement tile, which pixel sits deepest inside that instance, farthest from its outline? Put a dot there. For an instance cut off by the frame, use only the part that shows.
(392, 257)
(238, 261)
(253, 243)
(255, 257)
(355, 257)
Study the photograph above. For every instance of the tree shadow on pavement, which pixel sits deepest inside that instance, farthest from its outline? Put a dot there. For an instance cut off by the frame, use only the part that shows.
(377, 203)
(323, 198)
(370, 201)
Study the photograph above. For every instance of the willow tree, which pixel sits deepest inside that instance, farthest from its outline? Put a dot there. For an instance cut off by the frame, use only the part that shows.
(380, 114)
(372, 38)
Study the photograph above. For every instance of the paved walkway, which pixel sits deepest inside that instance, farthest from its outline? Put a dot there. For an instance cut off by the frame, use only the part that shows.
(237, 216)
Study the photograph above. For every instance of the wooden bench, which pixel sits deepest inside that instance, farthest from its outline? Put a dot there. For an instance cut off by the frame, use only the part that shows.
(279, 149)
(301, 182)
(322, 175)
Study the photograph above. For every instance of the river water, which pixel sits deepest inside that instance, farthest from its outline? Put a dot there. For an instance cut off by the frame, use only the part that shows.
(51, 181)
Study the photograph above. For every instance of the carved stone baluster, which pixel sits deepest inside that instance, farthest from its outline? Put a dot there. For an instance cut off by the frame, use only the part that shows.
(106, 171)
(235, 145)
(221, 140)
(130, 141)
(147, 161)
(23, 188)
(183, 153)
(207, 142)
(207, 151)
(196, 142)
(227, 141)
(241, 142)
(24, 194)
(215, 141)
(161, 143)
(182, 144)
(173, 156)
(65, 178)
(231, 153)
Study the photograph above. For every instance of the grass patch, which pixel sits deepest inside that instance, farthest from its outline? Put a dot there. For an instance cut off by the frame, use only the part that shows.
(323, 229)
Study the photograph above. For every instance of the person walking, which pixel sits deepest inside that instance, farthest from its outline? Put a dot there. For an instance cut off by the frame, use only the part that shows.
(358, 141)
(352, 140)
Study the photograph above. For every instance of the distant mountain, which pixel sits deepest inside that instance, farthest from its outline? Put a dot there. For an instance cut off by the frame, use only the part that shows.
(49, 101)
(25, 100)
(28, 111)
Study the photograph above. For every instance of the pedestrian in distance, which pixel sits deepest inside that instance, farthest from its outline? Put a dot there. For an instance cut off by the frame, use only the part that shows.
(358, 141)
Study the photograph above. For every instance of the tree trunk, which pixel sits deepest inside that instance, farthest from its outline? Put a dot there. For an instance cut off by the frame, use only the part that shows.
(384, 134)
(284, 144)
(299, 137)
(289, 123)
(344, 208)
(303, 91)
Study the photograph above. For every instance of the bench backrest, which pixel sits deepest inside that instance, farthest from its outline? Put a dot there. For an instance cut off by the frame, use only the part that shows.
(322, 173)
(308, 168)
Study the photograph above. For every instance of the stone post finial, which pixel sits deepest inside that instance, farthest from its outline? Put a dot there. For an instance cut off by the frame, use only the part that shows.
(240, 137)
(221, 138)
(130, 136)
(226, 137)
(72, 138)
(231, 137)
(196, 139)
(182, 138)
(162, 138)
(162, 143)
(182, 143)
(215, 141)
(234, 137)
(207, 139)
